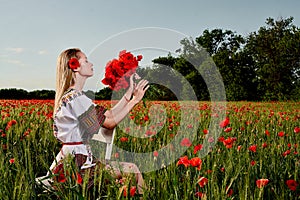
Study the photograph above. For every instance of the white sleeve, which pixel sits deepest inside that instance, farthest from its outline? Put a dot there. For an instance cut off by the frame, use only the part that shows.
(65, 122)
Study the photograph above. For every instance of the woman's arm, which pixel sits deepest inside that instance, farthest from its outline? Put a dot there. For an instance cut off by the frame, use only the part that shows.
(127, 96)
(115, 116)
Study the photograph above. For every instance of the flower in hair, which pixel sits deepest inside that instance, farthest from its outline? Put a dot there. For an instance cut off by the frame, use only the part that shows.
(73, 63)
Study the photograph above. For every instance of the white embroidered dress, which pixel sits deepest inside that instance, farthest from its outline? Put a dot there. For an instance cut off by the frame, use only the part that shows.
(76, 120)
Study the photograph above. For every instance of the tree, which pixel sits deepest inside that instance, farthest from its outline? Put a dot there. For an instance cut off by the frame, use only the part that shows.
(275, 51)
(226, 49)
(104, 94)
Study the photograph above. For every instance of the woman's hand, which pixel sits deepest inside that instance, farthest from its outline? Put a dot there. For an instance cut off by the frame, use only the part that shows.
(132, 86)
(140, 90)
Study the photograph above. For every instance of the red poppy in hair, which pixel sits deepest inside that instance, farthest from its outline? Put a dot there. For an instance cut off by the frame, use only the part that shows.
(73, 63)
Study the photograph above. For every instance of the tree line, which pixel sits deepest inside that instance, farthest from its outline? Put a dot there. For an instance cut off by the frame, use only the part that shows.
(262, 66)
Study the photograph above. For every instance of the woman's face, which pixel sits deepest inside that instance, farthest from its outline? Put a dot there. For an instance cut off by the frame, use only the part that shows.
(86, 68)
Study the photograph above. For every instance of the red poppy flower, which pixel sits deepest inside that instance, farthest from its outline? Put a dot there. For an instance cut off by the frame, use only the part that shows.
(155, 153)
(146, 118)
(292, 184)
(11, 161)
(118, 70)
(196, 162)
(197, 148)
(228, 129)
(230, 191)
(185, 142)
(253, 148)
(59, 170)
(267, 132)
(296, 130)
(139, 57)
(117, 155)
(202, 181)
(199, 194)
(287, 152)
(262, 182)
(264, 145)
(229, 142)
(123, 139)
(73, 63)
(221, 139)
(183, 161)
(224, 123)
(10, 124)
(132, 191)
(79, 178)
(239, 147)
(281, 134)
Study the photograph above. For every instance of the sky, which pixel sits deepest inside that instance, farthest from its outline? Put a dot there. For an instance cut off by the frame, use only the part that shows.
(35, 32)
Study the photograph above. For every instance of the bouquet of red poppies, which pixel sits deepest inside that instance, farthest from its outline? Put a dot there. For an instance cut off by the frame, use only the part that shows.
(118, 71)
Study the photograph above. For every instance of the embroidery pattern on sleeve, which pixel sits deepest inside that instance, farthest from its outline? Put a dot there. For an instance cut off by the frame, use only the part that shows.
(91, 121)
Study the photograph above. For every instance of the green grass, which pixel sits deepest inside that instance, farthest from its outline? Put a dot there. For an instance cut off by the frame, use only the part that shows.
(30, 142)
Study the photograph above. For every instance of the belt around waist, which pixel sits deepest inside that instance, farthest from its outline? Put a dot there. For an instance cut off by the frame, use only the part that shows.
(72, 143)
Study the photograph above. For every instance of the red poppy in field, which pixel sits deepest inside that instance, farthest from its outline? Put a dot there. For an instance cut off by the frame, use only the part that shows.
(252, 162)
(205, 131)
(296, 130)
(124, 139)
(239, 147)
(281, 134)
(264, 145)
(253, 148)
(183, 161)
(202, 181)
(211, 140)
(229, 142)
(262, 182)
(287, 152)
(190, 125)
(228, 129)
(221, 139)
(199, 194)
(196, 162)
(292, 184)
(267, 132)
(197, 148)
(132, 191)
(117, 155)
(79, 178)
(155, 153)
(224, 123)
(146, 118)
(12, 160)
(229, 192)
(185, 142)
(10, 124)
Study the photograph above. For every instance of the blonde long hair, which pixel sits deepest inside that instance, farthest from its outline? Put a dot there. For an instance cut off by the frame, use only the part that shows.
(65, 77)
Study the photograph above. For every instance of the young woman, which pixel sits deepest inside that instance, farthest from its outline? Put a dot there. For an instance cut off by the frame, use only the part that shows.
(77, 118)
